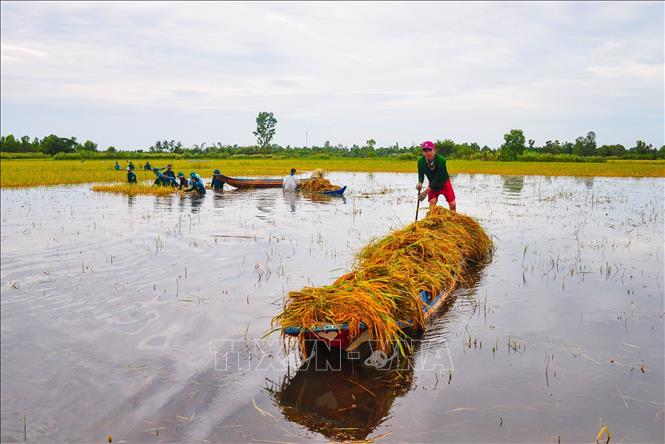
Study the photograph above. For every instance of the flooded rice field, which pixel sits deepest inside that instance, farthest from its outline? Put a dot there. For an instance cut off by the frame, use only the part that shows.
(144, 317)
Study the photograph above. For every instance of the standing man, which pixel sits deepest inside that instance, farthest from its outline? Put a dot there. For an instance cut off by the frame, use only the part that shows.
(433, 166)
(290, 182)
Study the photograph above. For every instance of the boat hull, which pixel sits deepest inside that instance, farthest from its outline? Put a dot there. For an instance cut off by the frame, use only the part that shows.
(251, 183)
(336, 336)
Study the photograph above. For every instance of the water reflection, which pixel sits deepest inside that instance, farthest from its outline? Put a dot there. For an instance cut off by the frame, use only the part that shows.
(344, 402)
(587, 181)
(218, 198)
(513, 185)
(196, 202)
(291, 197)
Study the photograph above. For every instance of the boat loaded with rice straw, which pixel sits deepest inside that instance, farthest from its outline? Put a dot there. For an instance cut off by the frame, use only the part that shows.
(395, 286)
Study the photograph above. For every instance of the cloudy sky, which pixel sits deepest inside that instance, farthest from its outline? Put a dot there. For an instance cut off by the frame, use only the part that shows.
(127, 74)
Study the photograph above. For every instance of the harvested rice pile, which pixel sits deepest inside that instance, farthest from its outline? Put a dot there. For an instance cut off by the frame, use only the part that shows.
(317, 184)
(385, 284)
(134, 189)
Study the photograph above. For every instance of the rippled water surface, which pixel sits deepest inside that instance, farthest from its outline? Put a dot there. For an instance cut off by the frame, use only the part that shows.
(117, 311)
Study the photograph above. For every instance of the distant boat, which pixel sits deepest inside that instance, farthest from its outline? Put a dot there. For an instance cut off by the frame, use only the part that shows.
(251, 183)
(269, 183)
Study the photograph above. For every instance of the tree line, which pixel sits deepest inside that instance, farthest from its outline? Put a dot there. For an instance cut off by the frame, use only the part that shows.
(515, 147)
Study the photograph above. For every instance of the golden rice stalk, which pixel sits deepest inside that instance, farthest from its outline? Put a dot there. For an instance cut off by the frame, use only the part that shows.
(132, 189)
(384, 285)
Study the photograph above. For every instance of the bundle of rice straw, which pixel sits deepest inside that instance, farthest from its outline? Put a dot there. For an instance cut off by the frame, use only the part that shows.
(133, 189)
(317, 183)
(384, 286)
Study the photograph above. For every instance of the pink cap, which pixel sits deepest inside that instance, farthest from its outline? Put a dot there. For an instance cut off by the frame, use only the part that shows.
(427, 144)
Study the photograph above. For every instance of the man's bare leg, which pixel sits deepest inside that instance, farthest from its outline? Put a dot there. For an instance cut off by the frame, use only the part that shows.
(432, 202)
(453, 206)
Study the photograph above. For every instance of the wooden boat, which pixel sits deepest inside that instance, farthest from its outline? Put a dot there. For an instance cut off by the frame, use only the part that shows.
(251, 183)
(338, 192)
(337, 335)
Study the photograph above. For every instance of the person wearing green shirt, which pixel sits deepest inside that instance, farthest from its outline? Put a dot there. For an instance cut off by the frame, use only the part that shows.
(433, 166)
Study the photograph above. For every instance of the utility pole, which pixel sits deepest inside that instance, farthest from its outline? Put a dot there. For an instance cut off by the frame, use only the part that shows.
(306, 139)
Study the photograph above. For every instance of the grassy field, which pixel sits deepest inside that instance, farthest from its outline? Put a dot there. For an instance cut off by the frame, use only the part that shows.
(35, 172)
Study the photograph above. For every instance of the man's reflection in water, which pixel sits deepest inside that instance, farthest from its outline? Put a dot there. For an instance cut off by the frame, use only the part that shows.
(130, 201)
(196, 203)
(291, 197)
(218, 198)
(341, 400)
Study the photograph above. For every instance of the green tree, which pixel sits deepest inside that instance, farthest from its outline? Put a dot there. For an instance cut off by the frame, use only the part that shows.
(642, 148)
(611, 150)
(265, 128)
(89, 145)
(111, 149)
(445, 147)
(10, 144)
(53, 144)
(585, 146)
(513, 145)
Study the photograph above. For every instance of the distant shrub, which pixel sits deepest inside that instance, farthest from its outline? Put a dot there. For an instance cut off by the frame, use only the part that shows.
(5, 155)
(408, 156)
(532, 156)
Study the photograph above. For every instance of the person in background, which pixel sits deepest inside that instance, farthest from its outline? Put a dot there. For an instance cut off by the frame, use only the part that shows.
(169, 172)
(161, 180)
(117, 166)
(433, 166)
(217, 183)
(196, 184)
(131, 165)
(291, 182)
(131, 177)
(184, 183)
(147, 166)
(170, 181)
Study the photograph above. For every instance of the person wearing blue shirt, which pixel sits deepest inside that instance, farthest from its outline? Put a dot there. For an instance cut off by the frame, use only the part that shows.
(217, 183)
(147, 166)
(161, 180)
(184, 183)
(196, 185)
(131, 177)
(117, 166)
(169, 172)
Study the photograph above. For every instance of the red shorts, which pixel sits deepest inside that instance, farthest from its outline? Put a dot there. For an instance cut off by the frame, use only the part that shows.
(446, 190)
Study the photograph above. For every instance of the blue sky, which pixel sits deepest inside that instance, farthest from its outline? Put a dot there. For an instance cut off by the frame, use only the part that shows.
(127, 74)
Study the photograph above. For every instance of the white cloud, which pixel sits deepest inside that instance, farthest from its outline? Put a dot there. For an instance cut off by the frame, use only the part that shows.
(516, 65)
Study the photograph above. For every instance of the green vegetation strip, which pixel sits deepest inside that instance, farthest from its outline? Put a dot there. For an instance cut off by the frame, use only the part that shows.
(36, 172)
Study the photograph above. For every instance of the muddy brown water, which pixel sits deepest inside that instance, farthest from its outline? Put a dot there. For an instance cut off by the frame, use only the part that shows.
(143, 318)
